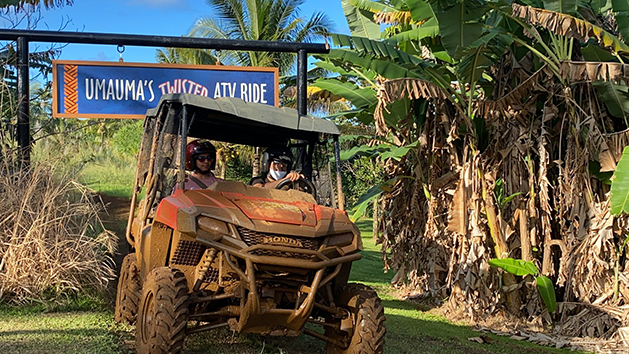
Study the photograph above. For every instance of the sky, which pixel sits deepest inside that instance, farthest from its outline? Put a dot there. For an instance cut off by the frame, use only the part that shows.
(144, 17)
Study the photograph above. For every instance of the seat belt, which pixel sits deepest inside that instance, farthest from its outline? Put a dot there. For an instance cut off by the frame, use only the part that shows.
(197, 181)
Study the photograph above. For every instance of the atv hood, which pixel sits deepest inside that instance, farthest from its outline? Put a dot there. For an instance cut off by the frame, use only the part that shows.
(264, 210)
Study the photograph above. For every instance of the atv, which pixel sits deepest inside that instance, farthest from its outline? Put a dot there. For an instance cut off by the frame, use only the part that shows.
(252, 259)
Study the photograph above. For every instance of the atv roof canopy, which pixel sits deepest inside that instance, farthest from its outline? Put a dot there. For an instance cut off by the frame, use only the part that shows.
(236, 121)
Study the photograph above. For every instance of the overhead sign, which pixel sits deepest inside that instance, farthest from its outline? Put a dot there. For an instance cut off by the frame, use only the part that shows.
(85, 89)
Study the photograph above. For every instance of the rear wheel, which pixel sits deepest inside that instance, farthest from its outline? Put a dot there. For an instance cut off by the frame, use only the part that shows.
(163, 314)
(365, 325)
(128, 294)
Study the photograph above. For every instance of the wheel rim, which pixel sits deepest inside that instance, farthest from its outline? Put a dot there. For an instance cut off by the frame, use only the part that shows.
(147, 316)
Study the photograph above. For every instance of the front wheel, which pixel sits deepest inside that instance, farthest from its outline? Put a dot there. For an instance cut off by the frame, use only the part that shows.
(163, 314)
(364, 328)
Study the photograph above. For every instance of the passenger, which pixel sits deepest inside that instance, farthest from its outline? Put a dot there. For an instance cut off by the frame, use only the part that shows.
(276, 164)
(201, 160)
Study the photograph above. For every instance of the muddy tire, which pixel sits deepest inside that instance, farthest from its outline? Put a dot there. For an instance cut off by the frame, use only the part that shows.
(163, 313)
(128, 294)
(367, 318)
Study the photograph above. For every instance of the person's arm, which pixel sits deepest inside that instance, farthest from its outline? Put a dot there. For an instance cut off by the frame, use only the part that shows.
(293, 176)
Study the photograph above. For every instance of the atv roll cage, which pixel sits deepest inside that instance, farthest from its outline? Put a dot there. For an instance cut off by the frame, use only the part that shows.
(178, 117)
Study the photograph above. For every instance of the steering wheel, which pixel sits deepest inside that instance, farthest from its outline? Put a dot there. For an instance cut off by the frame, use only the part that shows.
(301, 184)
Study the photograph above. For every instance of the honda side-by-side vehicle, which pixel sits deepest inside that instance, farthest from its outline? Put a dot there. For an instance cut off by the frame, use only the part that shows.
(252, 259)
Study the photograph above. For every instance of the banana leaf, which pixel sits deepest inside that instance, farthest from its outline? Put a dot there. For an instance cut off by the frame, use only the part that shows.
(481, 55)
(386, 68)
(621, 8)
(396, 111)
(361, 98)
(595, 53)
(594, 167)
(563, 6)
(429, 29)
(566, 25)
(619, 194)
(460, 26)
(547, 292)
(472, 65)
(347, 114)
(360, 22)
(397, 153)
(515, 266)
(374, 48)
(364, 201)
(372, 6)
(362, 150)
(420, 10)
(324, 64)
(615, 97)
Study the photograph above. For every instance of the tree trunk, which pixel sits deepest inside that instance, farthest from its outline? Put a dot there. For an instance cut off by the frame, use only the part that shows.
(375, 222)
(513, 300)
(221, 163)
(255, 172)
(525, 239)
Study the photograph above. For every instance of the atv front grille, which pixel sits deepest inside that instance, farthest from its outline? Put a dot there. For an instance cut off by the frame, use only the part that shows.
(255, 238)
(188, 253)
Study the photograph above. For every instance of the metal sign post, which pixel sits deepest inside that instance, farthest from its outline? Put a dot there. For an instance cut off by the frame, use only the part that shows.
(23, 123)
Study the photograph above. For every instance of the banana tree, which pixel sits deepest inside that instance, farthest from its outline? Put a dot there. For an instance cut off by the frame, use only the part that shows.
(489, 91)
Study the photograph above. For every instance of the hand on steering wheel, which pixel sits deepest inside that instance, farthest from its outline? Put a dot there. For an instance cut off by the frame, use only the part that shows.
(300, 184)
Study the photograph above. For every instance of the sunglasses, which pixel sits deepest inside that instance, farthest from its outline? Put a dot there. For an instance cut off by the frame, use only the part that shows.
(280, 162)
(204, 158)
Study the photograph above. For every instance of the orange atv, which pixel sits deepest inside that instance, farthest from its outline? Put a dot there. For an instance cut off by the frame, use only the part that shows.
(252, 259)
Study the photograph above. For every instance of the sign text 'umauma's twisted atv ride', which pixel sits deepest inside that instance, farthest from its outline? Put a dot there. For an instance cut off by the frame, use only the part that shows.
(253, 259)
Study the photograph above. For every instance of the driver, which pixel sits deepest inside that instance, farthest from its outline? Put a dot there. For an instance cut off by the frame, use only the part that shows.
(276, 163)
(201, 159)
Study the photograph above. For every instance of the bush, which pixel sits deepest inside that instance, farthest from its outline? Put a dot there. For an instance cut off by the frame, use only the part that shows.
(359, 175)
(126, 141)
(52, 242)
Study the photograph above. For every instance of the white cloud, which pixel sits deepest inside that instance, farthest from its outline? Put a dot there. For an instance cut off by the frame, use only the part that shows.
(101, 56)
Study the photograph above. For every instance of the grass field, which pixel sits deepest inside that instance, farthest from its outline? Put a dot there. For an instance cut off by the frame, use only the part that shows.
(86, 326)
(113, 177)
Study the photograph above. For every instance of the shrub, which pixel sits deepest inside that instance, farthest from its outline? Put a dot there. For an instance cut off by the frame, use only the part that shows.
(126, 141)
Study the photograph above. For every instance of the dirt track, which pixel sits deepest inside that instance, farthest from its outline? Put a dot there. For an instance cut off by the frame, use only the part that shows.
(115, 219)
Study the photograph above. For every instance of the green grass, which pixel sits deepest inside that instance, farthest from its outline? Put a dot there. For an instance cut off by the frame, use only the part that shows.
(86, 326)
(411, 329)
(100, 170)
(109, 176)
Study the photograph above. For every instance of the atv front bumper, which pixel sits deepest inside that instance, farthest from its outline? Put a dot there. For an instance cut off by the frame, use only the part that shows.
(254, 318)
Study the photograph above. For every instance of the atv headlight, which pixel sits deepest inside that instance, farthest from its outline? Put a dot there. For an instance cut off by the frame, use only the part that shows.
(211, 229)
(340, 239)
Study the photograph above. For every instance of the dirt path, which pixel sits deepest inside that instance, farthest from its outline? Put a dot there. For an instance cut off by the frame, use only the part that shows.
(114, 219)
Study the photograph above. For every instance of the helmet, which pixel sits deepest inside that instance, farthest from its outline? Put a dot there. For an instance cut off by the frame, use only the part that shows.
(196, 148)
(272, 153)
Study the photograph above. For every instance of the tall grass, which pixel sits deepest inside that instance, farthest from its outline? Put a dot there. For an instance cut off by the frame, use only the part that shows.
(52, 242)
